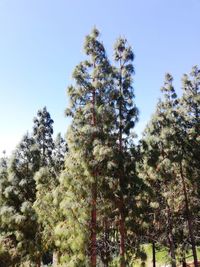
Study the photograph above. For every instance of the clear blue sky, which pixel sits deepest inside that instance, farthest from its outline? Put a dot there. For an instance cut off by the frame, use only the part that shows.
(41, 42)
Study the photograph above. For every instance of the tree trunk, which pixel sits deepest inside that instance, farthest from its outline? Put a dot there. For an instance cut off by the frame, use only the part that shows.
(38, 262)
(189, 218)
(122, 239)
(184, 264)
(172, 250)
(55, 258)
(153, 254)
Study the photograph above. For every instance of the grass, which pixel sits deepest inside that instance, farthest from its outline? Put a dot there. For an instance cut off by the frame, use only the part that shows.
(162, 257)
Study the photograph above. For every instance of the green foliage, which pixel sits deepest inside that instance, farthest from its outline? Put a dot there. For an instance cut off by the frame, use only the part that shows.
(42, 133)
(169, 165)
(99, 199)
(89, 149)
(18, 218)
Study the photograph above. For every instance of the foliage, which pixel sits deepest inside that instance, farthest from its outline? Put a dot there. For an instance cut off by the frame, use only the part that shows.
(98, 198)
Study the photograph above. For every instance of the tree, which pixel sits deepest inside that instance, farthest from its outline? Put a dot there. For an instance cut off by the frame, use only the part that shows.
(58, 153)
(159, 154)
(189, 113)
(42, 133)
(47, 184)
(3, 177)
(18, 218)
(7, 251)
(169, 157)
(126, 116)
(90, 148)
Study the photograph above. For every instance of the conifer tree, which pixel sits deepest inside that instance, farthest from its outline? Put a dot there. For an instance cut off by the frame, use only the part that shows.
(7, 251)
(42, 133)
(159, 155)
(90, 148)
(126, 116)
(51, 165)
(170, 153)
(58, 154)
(189, 113)
(3, 177)
(47, 181)
(18, 218)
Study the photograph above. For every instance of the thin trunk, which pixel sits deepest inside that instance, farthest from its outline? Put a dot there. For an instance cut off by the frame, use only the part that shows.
(55, 258)
(183, 257)
(189, 218)
(184, 264)
(38, 262)
(172, 250)
(154, 253)
(122, 240)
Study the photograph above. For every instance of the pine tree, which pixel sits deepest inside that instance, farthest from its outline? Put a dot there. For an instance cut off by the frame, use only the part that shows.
(190, 150)
(42, 133)
(58, 154)
(7, 251)
(47, 183)
(159, 155)
(18, 218)
(170, 153)
(90, 149)
(126, 116)
(3, 177)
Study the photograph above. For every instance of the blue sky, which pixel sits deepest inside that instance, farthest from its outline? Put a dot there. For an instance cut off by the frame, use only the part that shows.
(41, 42)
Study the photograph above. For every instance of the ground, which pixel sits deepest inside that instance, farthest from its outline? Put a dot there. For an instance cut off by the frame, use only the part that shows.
(162, 258)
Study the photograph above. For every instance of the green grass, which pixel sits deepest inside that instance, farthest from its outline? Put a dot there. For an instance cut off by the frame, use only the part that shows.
(189, 255)
(162, 257)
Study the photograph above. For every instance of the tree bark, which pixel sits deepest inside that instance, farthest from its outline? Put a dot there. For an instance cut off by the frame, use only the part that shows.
(38, 262)
(122, 240)
(153, 253)
(172, 250)
(184, 264)
(189, 217)
(55, 258)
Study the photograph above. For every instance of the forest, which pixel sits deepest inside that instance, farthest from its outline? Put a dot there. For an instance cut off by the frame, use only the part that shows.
(100, 196)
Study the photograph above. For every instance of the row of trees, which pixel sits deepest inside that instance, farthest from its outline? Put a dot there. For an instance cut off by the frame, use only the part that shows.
(97, 200)
(170, 157)
(27, 180)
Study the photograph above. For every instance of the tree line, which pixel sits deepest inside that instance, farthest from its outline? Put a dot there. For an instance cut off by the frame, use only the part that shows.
(97, 196)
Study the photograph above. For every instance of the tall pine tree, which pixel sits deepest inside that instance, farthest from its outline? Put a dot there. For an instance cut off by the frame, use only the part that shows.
(90, 148)
(126, 116)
